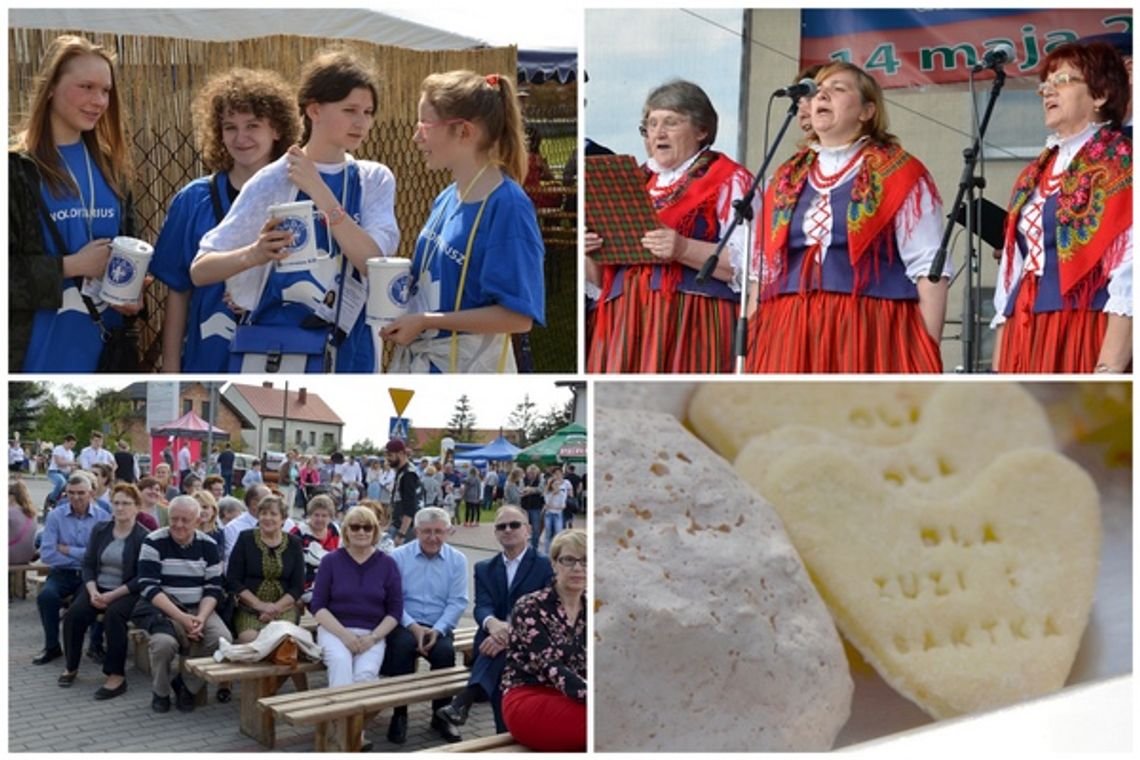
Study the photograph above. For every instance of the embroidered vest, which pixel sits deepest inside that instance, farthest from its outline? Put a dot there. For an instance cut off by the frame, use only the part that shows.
(836, 274)
(1049, 296)
(1091, 212)
(884, 179)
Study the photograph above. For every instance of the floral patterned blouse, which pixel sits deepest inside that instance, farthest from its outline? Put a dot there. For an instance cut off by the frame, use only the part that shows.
(545, 648)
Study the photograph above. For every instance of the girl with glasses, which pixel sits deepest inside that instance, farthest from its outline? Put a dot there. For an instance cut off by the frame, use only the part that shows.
(477, 274)
(1063, 297)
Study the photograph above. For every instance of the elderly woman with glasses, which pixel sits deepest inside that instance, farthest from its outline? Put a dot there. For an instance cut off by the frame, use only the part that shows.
(852, 223)
(357, 601)
(544, 680)
(656, 317)
(110, 588)
(1063, 298)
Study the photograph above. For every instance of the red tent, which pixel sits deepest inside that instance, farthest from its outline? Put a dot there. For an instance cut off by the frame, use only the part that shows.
(190, 428)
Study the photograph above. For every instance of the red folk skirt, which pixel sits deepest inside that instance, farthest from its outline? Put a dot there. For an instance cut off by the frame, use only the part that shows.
(544, 719)
(819, 331)
(1053, 341)
(645, 330)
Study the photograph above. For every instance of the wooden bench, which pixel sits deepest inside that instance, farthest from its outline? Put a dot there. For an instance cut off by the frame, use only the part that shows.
(18, 578)
(496, 743)
(340, 713)
(257, 679)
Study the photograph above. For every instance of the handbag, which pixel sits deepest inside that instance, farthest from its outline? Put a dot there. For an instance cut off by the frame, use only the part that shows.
(269, 349)
(286, 653)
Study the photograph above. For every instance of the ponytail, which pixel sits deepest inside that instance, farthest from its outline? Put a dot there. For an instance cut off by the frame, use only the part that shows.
(512, 139)
(491, 101)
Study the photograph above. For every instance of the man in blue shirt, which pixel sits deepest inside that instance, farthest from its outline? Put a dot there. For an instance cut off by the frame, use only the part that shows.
(434, 577)
(66, 533)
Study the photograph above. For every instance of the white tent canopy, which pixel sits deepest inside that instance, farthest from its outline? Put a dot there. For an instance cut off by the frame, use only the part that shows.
(238, 24)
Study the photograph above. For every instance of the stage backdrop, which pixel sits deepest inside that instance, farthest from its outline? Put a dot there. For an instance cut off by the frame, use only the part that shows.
(904, 48)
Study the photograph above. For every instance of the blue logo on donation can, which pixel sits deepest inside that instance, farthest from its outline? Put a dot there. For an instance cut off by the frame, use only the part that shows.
(398, 290)
(300, 230)
(121, 270)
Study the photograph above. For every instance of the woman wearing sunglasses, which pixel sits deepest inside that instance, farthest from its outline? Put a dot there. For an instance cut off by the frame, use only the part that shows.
(357, 601)
(544, 680)
(1063, 297)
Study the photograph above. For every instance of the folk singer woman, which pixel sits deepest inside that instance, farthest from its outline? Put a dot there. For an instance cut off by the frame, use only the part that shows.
(852, 224)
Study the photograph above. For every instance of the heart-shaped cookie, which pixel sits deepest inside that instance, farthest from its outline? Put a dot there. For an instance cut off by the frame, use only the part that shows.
(708, 633)
(958, 433)
(962, 603)
(726, 415)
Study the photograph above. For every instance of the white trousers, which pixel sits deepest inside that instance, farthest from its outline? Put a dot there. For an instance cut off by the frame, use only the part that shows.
(345, 667)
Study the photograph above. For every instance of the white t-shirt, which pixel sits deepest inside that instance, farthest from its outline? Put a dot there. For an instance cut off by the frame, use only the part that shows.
(62, 459)
(271, 186)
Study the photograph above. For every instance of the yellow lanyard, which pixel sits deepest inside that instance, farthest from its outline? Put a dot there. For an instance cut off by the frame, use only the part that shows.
(454, 363)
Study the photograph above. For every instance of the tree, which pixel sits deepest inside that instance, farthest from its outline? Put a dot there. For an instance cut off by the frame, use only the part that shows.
(79, 414)
(461, 426)
(363, 448)
(554, 420)
(430, 445)
(524, 418)
(26, 402)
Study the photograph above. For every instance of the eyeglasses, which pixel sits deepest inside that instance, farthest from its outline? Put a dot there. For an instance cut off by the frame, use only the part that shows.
(569, 562)
(1057, 81)
(504, 527)
(360, 527)
(670, 124)
(123, 503)
(424, 126)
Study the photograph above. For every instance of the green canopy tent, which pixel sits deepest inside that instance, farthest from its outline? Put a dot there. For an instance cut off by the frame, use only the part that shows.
(567, 445)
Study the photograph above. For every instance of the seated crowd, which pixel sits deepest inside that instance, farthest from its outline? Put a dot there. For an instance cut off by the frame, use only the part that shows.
(202, 567)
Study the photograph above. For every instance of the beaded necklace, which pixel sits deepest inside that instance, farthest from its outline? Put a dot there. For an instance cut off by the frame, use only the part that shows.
(826, 181)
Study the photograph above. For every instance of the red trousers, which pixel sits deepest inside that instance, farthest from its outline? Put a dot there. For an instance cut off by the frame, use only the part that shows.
(544, 719)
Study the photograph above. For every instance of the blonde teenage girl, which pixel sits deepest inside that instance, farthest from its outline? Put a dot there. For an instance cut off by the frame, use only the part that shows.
(477, 272)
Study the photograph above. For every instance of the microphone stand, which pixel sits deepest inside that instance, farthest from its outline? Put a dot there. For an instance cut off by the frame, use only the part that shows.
(967, 184)
(742, 214)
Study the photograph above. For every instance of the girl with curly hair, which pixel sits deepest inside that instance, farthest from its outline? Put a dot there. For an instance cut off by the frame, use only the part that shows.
(244, 120)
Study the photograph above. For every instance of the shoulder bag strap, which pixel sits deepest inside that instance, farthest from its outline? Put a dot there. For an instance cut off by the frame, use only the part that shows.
(216, 198)
(61, 248)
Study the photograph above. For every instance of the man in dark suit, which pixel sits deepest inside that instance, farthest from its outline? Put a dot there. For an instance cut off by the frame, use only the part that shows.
(499, 582)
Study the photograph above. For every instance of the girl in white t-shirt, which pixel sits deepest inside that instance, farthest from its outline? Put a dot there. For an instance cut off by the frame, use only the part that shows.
(338, 100)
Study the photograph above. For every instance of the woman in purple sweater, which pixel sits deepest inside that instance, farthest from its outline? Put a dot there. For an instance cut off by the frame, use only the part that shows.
(357, 601)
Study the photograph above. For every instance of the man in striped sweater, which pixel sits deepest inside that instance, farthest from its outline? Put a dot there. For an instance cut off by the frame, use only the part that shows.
(180, 574)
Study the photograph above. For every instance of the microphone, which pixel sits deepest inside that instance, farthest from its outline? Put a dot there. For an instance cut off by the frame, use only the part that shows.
(995, 57)
(805, 89)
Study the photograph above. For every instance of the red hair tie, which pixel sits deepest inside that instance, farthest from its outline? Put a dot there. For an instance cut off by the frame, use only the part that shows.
(493, 80)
